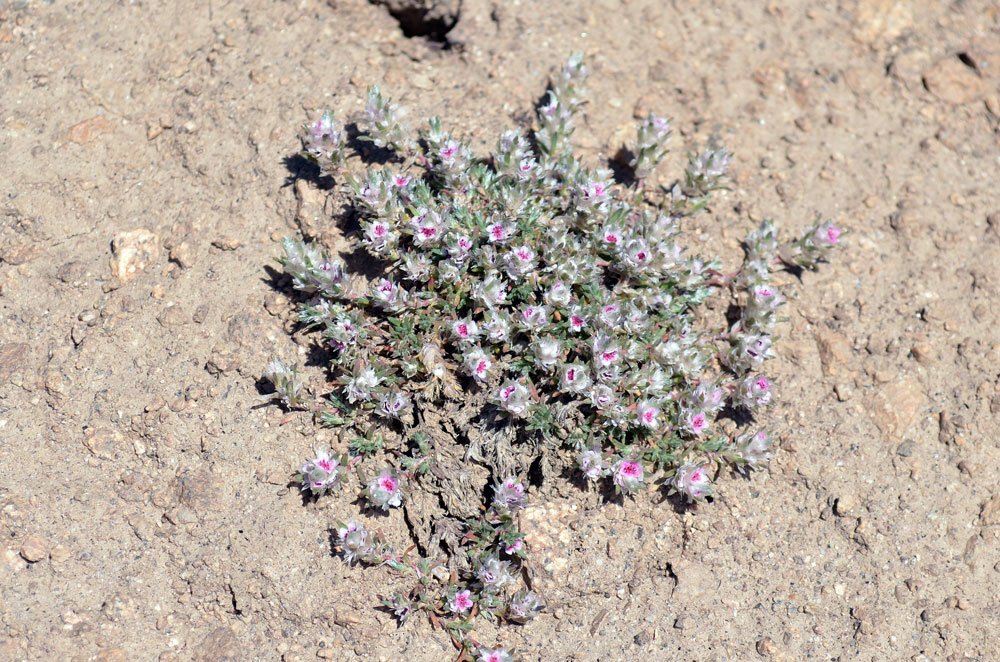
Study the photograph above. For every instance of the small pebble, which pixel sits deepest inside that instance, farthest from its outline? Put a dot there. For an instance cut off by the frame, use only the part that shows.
(843, 391)
(844, 505)
(60, 553)
(34, 549)
(923, 353)
(766, 646)
(641, 109)
(227, 243)
(183, 254)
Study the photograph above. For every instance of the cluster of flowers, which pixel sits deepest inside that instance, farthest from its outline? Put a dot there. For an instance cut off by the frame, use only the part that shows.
(494, 548)
(562, 294)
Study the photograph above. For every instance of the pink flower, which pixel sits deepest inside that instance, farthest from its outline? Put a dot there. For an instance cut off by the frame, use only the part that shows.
(627, 475)
(647, 413)
(498, 232)
(462, 602)
(477, 364)
(631, 469)
(495, 655)
(465, 329)
(576, 323)
(605, 351)
(385, 490)
(826, 235)
(514, 547)
(696, 422)
(754, 392)
(400, 181)
(549, 108)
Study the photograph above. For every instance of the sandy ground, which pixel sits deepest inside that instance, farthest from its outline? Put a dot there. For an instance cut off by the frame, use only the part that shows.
(143, 492)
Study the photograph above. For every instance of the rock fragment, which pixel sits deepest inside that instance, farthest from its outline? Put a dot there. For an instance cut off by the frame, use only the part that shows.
(881, 21)
(60, 553)
(989, 515)
(12, 358)
(953, 82)
(133, 251)
(34, 549)
(766, 647)
(87, 130)
(183, 254)
(219, 645)
(896, 407)
(834, 351)
(844, 504)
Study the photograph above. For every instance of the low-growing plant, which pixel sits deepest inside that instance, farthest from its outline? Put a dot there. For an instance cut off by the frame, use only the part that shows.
(565, 296)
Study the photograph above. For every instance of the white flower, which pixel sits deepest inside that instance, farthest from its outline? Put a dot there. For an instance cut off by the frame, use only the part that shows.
(465, 330)
(558, 295)
(574, 377)
(360, 386)
(602, 396)
(754, 448)
(490, 292)
(692, 481)
(606, 351)
(513, 398)
(591, 463)
(534, 317)
(547, 352)
(497, 328)
(477, 365)
(646, 414)
(520, 261)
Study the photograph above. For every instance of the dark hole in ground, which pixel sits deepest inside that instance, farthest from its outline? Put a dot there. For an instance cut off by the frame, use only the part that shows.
(432, 19)
(967, 60)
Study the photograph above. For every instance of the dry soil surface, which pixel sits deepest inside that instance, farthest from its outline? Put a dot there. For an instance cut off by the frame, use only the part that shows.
(144, 503)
